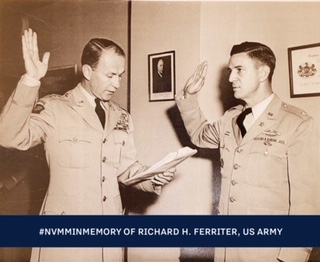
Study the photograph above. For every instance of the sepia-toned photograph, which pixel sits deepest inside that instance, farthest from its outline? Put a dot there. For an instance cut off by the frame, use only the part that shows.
(138, 108)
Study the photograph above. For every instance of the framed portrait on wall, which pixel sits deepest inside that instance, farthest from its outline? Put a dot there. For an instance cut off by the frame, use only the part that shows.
(161, 75)
(304, 70)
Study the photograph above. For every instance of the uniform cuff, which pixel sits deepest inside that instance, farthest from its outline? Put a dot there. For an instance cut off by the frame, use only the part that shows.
(29, 81)
(187, 103)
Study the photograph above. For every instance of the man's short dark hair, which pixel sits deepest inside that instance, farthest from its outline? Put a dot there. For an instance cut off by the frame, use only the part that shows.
(259, 52)
(94, 48)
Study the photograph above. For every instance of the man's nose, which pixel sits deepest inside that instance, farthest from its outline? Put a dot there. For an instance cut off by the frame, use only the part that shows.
(116, 82)
(231, 76)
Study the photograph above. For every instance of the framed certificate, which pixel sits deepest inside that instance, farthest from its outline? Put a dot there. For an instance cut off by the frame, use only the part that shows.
(304, 70)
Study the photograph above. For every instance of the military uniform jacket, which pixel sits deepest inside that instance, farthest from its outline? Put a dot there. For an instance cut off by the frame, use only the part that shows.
(86, 161)
(273, 170)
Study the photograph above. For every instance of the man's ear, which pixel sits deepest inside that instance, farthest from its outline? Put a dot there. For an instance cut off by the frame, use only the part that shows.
(264, 72)
(87, 71)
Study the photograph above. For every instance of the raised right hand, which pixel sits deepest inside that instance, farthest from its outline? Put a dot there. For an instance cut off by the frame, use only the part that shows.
(34, 67)
(196, 81)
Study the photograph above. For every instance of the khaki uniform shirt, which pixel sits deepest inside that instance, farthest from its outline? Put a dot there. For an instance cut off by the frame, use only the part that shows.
(86, 161)
(273, 170)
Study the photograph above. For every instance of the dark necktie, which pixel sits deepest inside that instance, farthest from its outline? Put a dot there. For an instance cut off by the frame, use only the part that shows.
(100, 111)
(241, 119)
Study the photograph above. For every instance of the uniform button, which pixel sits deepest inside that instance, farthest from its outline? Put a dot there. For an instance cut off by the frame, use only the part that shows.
(104, 159)
(104, 140)
(236, 166)
(104, 198)
(232, 199)
(239, 150)
(266, 153)
(103, 179)
(75, 139)
(234, 182)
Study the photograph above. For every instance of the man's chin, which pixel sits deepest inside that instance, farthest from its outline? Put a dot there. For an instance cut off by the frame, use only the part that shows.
(108, 96)
(236, 94)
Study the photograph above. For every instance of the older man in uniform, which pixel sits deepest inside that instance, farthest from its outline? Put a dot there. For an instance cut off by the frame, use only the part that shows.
(269, 149)
(88, 140)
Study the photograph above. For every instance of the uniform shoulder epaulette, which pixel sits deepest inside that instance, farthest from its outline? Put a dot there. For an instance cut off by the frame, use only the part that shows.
(237, 107)
(295, 110)
(40, 104)
(53, 96)
(64, 97)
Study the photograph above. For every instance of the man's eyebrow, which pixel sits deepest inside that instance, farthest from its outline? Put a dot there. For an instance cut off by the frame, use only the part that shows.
(113, 73)
(236, 67)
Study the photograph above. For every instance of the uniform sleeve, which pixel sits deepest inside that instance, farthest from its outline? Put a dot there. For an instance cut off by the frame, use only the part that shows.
(202, 133)
(303, 169)
(304, 180)
(19, 127)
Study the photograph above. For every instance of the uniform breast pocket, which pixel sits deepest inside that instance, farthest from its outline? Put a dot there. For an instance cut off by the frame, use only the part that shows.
(267, 164)
(120, 138)
(74, 149)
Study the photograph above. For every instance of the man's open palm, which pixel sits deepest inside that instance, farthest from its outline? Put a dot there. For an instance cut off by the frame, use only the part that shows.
(34, 67)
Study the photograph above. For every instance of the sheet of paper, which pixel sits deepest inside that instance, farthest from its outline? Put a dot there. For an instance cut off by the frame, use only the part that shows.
(169, 161)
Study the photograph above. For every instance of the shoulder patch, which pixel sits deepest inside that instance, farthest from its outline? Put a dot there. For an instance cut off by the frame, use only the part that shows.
(295, 110)
(39, 106)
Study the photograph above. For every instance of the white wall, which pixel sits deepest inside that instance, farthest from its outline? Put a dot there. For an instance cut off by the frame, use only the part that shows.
(200, 31)
(158, 27)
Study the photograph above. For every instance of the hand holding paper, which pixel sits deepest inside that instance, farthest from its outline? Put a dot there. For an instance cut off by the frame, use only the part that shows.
(164, 178)
(168, 162)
